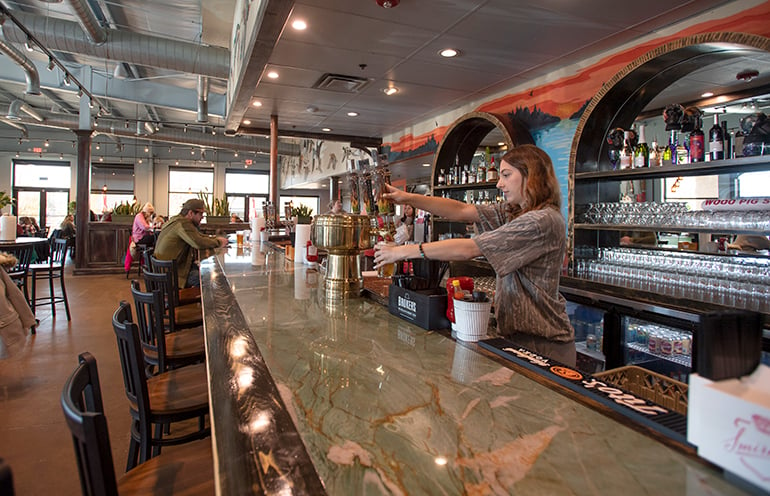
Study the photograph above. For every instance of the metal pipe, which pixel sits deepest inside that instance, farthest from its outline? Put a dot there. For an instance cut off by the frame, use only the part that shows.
(203, 99)
(30, 71)
(88, 20)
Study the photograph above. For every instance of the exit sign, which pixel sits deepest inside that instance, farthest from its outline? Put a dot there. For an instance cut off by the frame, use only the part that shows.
(248, 161)
(37, 149)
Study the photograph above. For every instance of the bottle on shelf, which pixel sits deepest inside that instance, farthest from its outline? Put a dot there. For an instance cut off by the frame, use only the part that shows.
(464, 177)
(697, 151)
(471, 174)
(492, 171)
(716, 141)
(481, 172)
(668, 156)
(655, 155)
(627, 152)
(642, 151)
(728, 142)
(456, 172)
(441, 178)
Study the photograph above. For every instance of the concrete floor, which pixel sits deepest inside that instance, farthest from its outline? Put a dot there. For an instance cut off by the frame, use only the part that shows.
(34, 439)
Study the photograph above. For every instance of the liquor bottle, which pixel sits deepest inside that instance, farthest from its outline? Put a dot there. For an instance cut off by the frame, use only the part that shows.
(464, 177)
(669, 153)
(456, 171)
(627, 152)
(682, 153)
(492, 171)
(655, 158)
(716, 141)
(642, 151)
(697, 153)
(471, 174)
(481, 174)
(441, 178)
(728, 143)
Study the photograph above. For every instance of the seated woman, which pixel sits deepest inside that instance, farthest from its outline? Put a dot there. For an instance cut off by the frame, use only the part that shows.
(142, 233)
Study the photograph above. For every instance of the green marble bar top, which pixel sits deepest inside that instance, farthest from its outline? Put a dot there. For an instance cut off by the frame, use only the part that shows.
(385, 407)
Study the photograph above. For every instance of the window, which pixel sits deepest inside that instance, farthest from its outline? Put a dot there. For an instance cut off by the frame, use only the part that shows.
(313, 202)
(753, 184)
(41, 175)
(41, 190)
(184, 184)
(246, 192)
(111, 184)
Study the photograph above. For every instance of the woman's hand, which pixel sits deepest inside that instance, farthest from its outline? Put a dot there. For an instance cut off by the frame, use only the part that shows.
(385, 254)
(396, 195)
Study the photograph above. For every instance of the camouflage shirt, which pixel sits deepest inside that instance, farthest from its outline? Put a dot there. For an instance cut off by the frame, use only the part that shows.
(526, 254)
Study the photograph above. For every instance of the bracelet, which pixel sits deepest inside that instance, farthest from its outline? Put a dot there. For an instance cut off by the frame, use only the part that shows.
(422, 252)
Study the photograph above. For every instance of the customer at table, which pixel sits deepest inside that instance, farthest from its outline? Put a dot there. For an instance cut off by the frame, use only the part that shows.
(180, 237)
(67, 227)
(524, 240)
(142, 233)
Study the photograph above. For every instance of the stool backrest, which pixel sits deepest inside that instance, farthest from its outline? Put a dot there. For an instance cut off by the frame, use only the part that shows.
(149, 319)
(162, 282)
(167, 266)
(81, 402)
(132, 365)
(59, 247)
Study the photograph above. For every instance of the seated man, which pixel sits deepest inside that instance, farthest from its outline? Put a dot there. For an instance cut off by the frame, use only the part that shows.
(180, 236)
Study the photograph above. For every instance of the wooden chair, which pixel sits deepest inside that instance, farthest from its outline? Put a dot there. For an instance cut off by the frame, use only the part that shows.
(52, 269)
(19, 272)
(184, 295)
(186, 470)
(6, 479)
(164, 351)
(160, 400)
(177, 316)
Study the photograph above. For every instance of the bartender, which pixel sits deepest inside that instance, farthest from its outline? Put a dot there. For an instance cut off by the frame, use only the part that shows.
(523, 239)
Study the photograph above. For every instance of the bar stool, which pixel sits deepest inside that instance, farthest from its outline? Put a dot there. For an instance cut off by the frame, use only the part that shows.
(51, 270)
(19, 272)
(184, 295)
(177, 316)
(164, 351)
(187, 470)
(158, 401)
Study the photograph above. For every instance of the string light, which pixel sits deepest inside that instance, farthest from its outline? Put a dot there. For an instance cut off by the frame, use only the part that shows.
(46, 144)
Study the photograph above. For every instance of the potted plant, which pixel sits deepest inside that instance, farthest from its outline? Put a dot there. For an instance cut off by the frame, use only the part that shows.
(303, 213)
(217, 212)
(124, 212)
(8, 225)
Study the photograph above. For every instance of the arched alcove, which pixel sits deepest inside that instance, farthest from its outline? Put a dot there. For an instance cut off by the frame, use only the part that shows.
(625, 96)
(466, 134)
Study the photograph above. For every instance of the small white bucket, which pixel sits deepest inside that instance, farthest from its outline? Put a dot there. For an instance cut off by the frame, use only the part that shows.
(471, 319)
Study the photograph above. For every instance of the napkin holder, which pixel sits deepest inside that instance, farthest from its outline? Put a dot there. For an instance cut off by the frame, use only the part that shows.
(424, 308)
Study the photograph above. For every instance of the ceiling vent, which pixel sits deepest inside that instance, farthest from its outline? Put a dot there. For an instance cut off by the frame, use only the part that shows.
(341, 83)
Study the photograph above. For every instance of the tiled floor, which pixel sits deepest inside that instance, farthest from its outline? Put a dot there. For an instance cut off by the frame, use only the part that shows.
(34, 440)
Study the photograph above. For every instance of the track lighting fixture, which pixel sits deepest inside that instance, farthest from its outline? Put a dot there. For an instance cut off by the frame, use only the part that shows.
(51, 65)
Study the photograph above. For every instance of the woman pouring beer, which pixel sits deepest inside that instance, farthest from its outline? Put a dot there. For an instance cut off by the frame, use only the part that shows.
(523, 239)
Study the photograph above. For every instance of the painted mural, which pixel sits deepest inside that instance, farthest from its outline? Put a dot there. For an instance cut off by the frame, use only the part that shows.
(318, 160)
(551, 111)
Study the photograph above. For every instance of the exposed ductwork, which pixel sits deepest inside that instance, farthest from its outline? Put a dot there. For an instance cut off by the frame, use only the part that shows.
(20, 106)
(121, 46)
(30, 71)
(88, 20)
(115, 127)
(20, 127)
(203, 99)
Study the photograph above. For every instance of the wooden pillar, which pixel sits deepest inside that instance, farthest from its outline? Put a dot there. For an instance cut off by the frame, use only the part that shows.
(274, 166)
(82, 194)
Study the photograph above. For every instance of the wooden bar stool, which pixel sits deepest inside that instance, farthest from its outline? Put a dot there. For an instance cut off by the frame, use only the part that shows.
(187, 470)
(177, 316)
(164, 351)
(184, 295)
(51, 270)
(160, 400)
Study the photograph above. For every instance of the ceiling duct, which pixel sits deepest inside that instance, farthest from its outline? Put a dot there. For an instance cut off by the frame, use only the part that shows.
(20, 127)
(203, 99)
(116, 127)
(88, 20)
(341, 83)
(20, 106)
(122, 46)
(30, 71)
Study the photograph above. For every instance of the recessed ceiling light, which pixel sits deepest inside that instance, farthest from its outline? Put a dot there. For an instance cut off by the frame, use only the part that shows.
(352, 114)
(449, 52)
(501, 143)
(272, 75)
(326, 129)
(707, 94)
(246, 122)
(299, 25)
(426, 165)
(311, 109)
(256, 103)
(391, 90)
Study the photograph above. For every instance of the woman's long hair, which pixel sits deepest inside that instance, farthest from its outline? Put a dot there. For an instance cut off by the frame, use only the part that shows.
(541, 188)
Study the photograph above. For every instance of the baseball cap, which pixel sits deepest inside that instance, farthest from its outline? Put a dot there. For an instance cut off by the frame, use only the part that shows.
(194, 204)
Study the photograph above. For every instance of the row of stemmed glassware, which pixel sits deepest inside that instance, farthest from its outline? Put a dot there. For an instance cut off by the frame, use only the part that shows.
(741, 282)
(670, 215)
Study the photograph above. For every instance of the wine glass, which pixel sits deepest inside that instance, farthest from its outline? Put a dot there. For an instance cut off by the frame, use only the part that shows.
(614, 155)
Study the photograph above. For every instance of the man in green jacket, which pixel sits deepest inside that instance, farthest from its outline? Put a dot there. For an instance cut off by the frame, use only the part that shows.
(180, 237)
